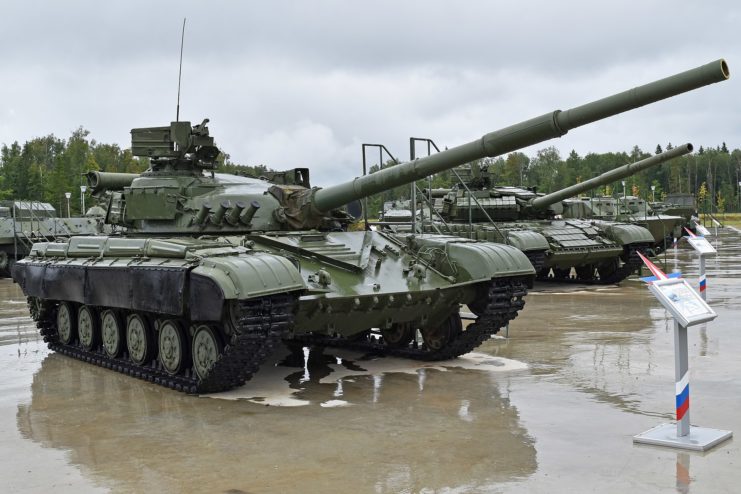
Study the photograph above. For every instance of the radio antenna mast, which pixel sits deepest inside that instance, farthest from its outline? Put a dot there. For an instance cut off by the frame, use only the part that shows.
(180, 71)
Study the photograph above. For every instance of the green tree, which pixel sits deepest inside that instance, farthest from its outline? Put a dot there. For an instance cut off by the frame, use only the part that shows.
(720, 203)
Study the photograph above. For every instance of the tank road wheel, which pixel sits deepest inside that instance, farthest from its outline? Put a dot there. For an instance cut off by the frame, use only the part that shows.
(399, 335)
(112, 332)
(561, 273)
(66, 323)
(87, 327)
(173, 347)
(207, 347)
(437, 338)
(139, 339)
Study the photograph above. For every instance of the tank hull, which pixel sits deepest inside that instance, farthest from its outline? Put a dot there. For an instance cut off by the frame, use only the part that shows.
(251, 292)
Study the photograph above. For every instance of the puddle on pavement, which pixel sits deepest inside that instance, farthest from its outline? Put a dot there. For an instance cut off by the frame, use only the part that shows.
(552, 408)
(282, 380)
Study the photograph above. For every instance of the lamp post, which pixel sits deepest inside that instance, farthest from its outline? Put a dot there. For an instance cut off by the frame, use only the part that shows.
(68, 195)
(83, 188)
(623, 181)
(739, 195)
(653, 193)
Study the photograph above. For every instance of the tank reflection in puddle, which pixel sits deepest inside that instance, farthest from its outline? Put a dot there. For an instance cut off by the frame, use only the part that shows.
(424, 430)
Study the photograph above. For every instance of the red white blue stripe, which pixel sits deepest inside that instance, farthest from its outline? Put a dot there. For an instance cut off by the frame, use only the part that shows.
(703, 282)
(683, 396)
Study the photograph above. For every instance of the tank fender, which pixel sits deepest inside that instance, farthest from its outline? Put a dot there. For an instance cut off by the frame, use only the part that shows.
(468, 260)
(627, 234)
(246, 276)
(527, 240)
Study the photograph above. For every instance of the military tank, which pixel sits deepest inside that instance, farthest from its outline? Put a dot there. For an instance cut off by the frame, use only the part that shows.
(629, 209)
(24, 222)
(593, 251)
(212, 271)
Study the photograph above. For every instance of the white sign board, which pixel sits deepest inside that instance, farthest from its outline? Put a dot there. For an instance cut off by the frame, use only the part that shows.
(702, 246)
(685, 304)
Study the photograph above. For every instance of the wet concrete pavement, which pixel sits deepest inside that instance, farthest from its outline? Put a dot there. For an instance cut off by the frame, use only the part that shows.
(551, 409)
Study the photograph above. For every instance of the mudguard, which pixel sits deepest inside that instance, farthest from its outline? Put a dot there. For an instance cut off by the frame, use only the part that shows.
(468, 260)
(626, 234)
(527, 240)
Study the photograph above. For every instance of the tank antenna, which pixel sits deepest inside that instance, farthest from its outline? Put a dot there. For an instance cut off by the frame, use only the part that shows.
(180, 71)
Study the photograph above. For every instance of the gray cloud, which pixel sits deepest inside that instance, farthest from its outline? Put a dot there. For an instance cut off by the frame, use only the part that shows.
(305, 83)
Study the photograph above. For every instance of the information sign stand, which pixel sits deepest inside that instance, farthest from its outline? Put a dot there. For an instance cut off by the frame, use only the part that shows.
(704, 249)
(688, 309)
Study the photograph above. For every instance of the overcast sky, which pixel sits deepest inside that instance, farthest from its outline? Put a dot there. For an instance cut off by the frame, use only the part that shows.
(305, 83)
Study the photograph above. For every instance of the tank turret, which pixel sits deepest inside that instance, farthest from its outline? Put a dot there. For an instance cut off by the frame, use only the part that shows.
(165, 199)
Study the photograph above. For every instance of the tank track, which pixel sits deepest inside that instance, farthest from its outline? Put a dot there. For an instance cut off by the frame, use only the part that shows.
(260, 326)
(537, 259)
(632, 263)
(504, 301)
(630, 266)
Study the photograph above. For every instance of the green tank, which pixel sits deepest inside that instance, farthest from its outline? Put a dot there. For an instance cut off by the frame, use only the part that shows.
(679, 204)
(628, 209)
(24, 222)
(213, 271)
(560, 244)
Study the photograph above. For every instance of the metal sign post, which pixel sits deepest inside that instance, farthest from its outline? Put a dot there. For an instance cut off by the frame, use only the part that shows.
(688, 309)
(703, 248)
(716, 224)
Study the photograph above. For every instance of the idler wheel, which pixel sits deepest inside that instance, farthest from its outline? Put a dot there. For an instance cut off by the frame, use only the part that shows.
(112, 333)
(399, 335)
(437, 338)
(173, 347)
(36, 308)
(207, 347)
(139, 339)
(87, 328)
(66, 323)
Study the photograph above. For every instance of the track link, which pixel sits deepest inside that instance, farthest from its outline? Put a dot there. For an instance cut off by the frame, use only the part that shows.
(537, 259)
(260, 326)
(631, 263)
(503, 301)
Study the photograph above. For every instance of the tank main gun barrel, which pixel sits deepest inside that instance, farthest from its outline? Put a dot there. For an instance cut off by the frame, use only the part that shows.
(610, 176)
(99, 181)
(518, 136)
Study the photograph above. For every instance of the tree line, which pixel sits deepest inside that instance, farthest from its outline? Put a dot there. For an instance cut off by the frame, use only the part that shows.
(45, 168)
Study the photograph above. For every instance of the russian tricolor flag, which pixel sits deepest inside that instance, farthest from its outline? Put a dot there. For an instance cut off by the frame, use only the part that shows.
(683, 396)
